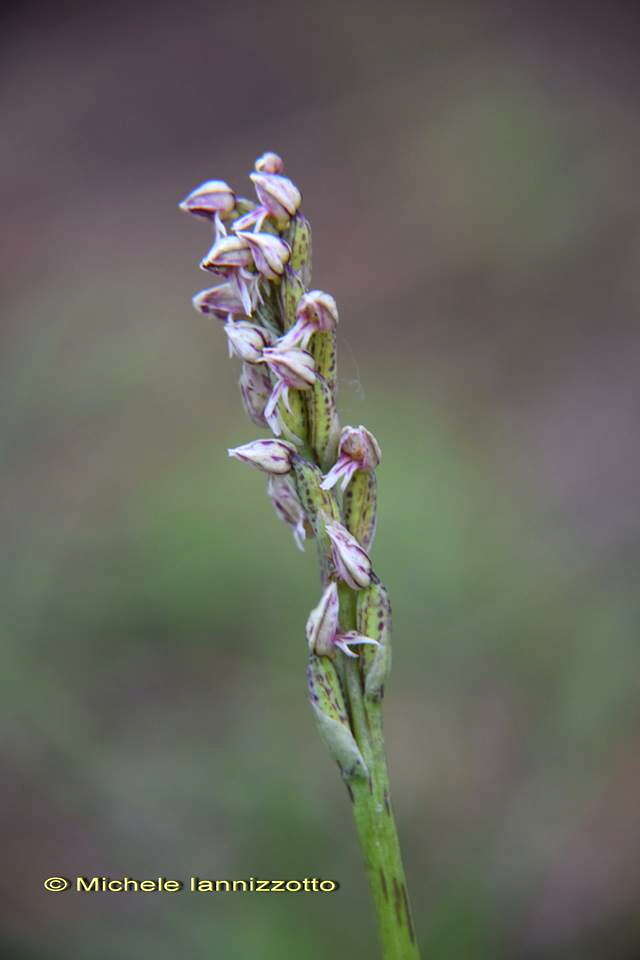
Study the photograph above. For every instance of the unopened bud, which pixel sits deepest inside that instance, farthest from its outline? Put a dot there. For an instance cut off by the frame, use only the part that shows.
(246, 340)
(271, 456)
(220, 302)
(278, 195)
(352, 563)
(270, 253)
(210, 198)
(227, 254)
(269, 163)
(255, 389)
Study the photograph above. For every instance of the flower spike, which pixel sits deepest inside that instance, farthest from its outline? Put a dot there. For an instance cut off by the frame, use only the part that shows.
(352, 563)
(271, 456)
(358, 450)
(285, 336)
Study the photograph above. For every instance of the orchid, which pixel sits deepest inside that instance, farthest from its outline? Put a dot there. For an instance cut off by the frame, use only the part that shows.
(284, 335)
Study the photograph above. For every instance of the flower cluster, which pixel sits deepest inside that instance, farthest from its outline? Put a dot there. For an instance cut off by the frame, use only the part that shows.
(285, 336)
(322, 483)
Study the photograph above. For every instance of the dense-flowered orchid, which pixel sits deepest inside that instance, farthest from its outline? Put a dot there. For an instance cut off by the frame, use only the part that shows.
(351, 561)
(285, 335)
(323, 635)
(358, 450)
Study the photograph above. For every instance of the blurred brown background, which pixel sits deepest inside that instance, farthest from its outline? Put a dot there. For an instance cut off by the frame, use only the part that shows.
(470, 171)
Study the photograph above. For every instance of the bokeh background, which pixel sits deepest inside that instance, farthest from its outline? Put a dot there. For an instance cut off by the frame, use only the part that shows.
(470, 171)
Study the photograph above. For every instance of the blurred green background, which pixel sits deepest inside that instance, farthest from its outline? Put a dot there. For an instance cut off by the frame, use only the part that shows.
(470, 171)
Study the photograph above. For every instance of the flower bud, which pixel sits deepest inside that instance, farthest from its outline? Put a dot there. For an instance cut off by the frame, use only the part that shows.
(269, 163)
(210, 198)
(271, 456)
(358, 450)
(352, 563)
(270, 253)
(246, 340)
(227, 254)
(220, 302)
(255, 389)
(278, 195)
(322, 624)
(285, 501)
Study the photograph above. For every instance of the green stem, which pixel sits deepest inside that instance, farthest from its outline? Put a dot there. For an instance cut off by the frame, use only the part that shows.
(373, 812)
